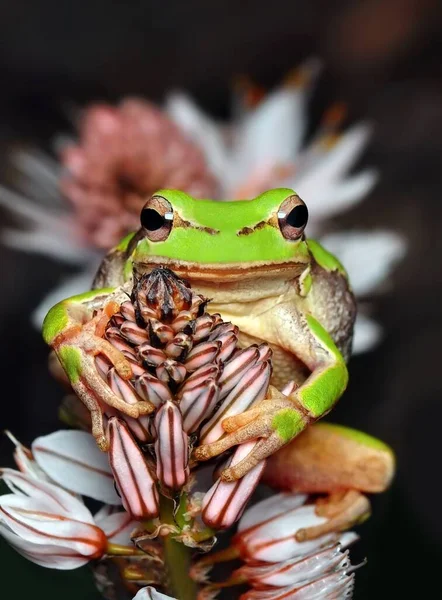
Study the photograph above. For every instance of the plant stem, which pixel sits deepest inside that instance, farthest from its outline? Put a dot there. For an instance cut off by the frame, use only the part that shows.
(177, 558)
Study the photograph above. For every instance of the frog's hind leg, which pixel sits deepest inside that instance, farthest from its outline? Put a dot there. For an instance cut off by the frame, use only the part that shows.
(339, 463)
(342, 511)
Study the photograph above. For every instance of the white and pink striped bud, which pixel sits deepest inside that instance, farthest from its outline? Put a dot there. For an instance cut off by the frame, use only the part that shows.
(251, 388)
(171, 447)
(197, 404)
(203, 354)
(225, 502)
(132, 475)
(152, 389)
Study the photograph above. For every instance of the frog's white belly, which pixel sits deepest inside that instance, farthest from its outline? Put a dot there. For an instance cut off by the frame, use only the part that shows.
(286, 367)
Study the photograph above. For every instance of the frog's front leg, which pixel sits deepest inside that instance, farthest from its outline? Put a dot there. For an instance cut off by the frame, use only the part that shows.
(280, 418)
(75, 335)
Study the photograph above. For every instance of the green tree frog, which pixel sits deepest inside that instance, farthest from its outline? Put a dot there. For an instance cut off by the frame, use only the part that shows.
(253, 260)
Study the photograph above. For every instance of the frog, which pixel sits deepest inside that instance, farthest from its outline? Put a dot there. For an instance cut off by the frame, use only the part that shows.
(254, 262)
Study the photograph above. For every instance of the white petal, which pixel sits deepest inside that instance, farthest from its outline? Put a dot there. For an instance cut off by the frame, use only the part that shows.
(274, 539)
(271, 134)
(72, 285)
(343, 155)
(54, 242)
(205, 132)
(270, 507)
(367, 334)
(299, 570)
(24, 461)
(72, 459)
(368, 256)
(40, 177)
(45, 555)
(150, 593)
(58, 500)
(327, 197)
(30, 210)
(116, 525)
(48, 230)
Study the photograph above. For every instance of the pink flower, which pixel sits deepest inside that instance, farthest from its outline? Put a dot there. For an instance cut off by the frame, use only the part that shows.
(123, 155)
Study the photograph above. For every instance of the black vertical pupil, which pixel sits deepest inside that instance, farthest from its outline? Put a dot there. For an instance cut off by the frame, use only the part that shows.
(151, 219)
(298, 216)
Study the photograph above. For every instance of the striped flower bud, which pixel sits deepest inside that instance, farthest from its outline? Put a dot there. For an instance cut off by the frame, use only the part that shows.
(133, 478)
(171, 447)
(225, 502)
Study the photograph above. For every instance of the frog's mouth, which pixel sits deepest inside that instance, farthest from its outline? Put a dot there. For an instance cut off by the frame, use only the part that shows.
(225, 272)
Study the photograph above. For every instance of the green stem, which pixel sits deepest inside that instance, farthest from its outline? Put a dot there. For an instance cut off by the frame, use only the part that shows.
(177, 556)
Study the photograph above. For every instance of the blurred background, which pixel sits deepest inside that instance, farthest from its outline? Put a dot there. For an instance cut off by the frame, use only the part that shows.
(383, 59)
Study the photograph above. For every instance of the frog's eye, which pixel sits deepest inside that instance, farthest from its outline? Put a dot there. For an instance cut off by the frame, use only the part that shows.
(157, 218)
(292, 217)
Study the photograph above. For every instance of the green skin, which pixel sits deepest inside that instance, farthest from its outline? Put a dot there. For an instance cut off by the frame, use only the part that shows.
(290, 293)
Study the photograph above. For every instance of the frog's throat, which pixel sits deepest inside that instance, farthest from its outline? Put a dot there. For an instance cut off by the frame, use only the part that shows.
(225, 272)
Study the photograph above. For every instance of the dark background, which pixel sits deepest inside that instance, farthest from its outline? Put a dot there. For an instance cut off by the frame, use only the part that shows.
(383, 57)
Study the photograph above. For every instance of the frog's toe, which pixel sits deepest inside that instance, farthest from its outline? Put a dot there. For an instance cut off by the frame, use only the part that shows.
(342, 511)
(263, 449)
(234, 423)
(96, 345)
(208, 451)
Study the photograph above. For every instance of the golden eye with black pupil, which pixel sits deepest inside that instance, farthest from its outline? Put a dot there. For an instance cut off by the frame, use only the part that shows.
(157, 219)
(292, 218)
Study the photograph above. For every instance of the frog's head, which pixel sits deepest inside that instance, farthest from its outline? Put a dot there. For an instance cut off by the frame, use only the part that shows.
(209, 239)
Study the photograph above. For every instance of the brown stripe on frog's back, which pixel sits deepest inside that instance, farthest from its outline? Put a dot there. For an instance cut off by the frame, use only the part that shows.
(272, 222)
(178, 221)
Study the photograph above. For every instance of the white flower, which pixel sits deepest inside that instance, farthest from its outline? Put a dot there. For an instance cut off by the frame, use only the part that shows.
(263, 147)
(277, 565)
(47, 524)
(150, 593)
(267, 531)
(50, 525)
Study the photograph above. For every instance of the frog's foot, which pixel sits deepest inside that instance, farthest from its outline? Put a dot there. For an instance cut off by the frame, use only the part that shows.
(76, 349)
(275, 420)
(342, 510)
